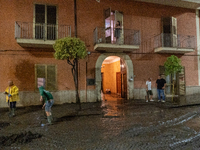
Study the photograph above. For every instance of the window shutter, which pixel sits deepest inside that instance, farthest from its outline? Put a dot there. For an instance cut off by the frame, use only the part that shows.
(174, 31)
(40, 71)
(51, 77)
(169, 31)
(181, 82)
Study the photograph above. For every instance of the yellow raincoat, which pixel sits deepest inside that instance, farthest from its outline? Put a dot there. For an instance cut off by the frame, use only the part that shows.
(14, 91)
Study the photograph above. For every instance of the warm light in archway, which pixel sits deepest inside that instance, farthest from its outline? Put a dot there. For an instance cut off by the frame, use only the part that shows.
(111, 59)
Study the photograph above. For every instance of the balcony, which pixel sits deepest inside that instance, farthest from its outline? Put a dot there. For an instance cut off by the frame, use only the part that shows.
(178, 44)
(104, 40)
(39, 35)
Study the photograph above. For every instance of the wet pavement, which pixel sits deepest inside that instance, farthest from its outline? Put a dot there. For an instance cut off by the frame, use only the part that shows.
(113, 124)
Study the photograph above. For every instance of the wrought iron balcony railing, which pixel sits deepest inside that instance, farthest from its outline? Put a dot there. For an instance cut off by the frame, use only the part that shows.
(106, 36)
(41, 31)
(174, 41)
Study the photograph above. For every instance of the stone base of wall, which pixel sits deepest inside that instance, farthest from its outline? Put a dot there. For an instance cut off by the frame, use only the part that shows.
(60, 97)
(190, 90)
(141, 93)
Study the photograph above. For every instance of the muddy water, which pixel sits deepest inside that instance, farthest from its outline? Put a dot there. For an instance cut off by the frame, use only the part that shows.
(112, 124)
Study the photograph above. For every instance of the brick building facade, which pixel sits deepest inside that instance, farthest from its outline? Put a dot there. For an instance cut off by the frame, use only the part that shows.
(150, 32)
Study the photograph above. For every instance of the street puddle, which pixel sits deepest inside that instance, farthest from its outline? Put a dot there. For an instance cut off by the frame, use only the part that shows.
(112, 106)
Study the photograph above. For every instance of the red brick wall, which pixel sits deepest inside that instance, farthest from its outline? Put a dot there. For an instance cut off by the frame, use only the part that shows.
(90, 14)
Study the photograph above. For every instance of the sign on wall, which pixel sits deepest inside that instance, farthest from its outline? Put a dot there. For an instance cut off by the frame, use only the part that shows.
(90, 81)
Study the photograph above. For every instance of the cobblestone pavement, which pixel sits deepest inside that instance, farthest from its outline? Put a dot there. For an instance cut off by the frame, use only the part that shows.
(114, 124)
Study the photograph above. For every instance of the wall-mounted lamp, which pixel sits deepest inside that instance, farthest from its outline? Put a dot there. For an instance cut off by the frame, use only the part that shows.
(88, 53)
(131, 79)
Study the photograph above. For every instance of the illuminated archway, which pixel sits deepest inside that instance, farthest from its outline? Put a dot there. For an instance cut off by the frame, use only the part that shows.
(130, 76)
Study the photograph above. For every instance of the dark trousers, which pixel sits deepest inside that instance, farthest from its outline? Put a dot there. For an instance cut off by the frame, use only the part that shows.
(12, 104)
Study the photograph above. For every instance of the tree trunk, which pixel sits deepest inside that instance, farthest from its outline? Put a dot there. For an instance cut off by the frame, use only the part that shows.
(75, 77)
(172, 90)
(173, 82)
(76, 83)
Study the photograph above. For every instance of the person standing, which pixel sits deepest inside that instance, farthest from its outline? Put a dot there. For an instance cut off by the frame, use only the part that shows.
(149, 90)
(161, 83)
(47, 97)
(117, 32)
(12, 96)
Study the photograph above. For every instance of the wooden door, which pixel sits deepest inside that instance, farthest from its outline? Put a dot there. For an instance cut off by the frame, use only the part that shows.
(124, 85)
(118, 82)
(123, 79)
(102, 82)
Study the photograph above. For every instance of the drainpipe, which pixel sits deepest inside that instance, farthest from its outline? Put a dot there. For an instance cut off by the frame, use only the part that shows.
(75, 18)
(198, 43)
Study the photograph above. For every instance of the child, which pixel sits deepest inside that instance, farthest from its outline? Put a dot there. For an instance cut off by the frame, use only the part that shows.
(48, 103)
(149, 91)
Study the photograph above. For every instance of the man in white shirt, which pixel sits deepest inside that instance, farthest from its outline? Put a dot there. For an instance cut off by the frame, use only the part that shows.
(149, 91)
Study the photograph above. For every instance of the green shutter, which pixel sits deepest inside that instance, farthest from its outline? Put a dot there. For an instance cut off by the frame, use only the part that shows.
(51, 77)
(48, 72)
(40, 71)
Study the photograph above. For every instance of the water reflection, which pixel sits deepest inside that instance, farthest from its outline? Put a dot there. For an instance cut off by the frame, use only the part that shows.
(112, 103)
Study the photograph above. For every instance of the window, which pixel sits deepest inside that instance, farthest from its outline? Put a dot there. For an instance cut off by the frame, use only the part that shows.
(169, 31)
(45, 22)
(111, 18)
(45, 76)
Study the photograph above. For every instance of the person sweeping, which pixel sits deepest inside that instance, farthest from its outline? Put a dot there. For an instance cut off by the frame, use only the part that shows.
(12, 96)
(47, 97)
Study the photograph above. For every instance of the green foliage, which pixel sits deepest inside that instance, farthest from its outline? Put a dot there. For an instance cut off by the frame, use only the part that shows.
(69, 48)
(172, 65)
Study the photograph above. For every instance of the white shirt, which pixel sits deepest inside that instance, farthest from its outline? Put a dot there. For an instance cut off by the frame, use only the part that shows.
(148, 83)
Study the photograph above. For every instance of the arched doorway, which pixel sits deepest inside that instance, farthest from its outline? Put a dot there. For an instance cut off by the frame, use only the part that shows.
(114, 77)
(129, 73)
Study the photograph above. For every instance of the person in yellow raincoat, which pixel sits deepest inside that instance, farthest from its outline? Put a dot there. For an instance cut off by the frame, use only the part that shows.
(12, 96)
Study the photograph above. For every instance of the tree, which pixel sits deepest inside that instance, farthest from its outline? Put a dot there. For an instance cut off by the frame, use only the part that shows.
(71, 49)
(172, 67)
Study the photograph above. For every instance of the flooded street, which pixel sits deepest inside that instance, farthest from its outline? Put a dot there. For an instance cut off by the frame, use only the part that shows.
(113, 124)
